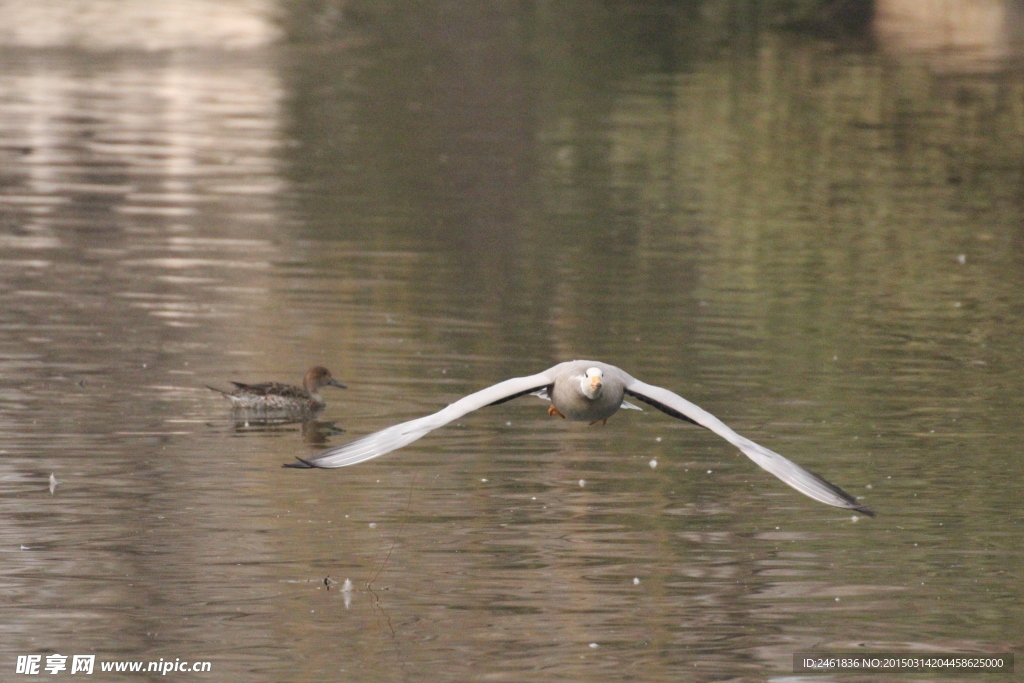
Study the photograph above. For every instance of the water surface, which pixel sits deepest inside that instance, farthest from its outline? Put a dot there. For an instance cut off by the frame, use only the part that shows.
(818, 239)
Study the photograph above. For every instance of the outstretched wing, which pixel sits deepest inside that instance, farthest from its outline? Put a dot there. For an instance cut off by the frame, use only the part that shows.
(805, 482)
(392, 438)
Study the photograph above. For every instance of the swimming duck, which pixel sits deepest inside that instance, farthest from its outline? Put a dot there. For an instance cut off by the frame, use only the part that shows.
(588, 391)
(274, 397)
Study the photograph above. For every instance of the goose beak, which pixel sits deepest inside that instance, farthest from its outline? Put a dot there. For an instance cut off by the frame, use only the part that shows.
(595, 382)
(336, 383)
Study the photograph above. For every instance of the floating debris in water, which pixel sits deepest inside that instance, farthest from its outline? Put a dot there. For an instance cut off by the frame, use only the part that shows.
(373, 525)
(961, 259)
(346, 592)
(653, 464)
(53, 483)
(594, 646)
(636, 580)
(583, 482)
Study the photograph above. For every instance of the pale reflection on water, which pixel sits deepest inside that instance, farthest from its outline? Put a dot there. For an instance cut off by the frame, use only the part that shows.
(818, 244)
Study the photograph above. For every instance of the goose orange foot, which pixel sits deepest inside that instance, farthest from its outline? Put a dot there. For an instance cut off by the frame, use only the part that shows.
(552, 411)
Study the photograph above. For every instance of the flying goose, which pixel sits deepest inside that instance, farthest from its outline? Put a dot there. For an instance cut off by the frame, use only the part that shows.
(588, 391)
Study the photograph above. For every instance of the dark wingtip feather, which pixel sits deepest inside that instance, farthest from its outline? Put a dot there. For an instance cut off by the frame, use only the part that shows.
(865, 509)
(300, 465)
(853, 504)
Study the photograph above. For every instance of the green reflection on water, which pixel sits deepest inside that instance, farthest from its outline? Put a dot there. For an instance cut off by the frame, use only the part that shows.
(815, 240)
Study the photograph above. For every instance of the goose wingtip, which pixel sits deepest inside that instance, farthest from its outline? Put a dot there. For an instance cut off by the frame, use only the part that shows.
(300, 465)
(865, 510)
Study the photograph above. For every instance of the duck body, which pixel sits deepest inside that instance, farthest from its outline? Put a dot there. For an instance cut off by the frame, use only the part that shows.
(276, 397)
